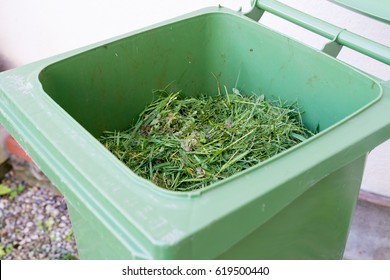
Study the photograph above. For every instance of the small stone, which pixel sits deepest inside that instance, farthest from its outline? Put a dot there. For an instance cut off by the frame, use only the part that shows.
(55, 212)
(40, 217)
(48, 208)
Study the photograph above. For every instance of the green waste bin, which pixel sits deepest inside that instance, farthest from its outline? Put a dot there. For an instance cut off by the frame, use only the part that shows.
(296, 205)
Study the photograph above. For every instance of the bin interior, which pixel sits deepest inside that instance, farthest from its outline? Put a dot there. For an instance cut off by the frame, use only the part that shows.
(105, 88)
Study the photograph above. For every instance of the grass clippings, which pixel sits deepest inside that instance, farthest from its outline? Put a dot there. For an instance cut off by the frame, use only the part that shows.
(186, 143)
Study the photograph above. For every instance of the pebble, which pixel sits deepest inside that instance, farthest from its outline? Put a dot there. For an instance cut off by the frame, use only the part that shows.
(40, 217)
(24, 234)
(55, 213)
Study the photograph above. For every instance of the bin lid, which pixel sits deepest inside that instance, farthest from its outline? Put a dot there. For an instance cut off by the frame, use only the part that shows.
(378, 9)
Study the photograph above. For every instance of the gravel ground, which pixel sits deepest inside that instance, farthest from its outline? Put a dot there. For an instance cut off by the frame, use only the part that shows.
(34, 223)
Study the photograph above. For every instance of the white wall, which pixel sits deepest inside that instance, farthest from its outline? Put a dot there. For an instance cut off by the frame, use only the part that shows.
(33, 29)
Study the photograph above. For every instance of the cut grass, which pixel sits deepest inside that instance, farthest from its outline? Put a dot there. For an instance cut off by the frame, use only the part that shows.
(186, 143)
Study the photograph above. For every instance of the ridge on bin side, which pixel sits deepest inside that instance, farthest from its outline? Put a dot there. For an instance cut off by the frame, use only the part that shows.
(296, 205)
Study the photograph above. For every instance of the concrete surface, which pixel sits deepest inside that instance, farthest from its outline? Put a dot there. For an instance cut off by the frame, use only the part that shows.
(370, 234)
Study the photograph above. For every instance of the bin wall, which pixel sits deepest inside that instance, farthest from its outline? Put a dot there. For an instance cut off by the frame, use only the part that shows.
(314, 226)
(94, 240)
(107, 87)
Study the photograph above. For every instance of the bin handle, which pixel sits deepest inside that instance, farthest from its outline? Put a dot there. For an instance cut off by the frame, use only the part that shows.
(336, 34)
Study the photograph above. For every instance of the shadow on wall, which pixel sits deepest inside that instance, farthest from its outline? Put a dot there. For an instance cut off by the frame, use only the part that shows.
(4, 64)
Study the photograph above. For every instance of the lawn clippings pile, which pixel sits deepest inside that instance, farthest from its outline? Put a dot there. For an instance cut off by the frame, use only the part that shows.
(186, 143)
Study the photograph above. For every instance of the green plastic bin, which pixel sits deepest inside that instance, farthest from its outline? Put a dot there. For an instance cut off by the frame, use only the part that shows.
(296, 205)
